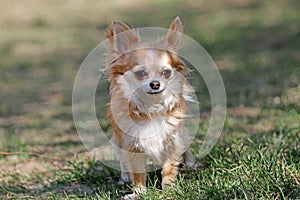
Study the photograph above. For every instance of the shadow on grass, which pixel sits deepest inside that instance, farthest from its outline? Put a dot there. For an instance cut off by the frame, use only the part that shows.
(80, 179)
(258, 60)
(263, 165)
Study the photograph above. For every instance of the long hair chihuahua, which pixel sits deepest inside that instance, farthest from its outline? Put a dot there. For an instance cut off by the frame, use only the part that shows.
(148, 102)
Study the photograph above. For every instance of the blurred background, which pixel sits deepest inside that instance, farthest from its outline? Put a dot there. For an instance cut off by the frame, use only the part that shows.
(255, 44)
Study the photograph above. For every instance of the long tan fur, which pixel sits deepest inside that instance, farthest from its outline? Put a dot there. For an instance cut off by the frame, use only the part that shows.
(147, 123)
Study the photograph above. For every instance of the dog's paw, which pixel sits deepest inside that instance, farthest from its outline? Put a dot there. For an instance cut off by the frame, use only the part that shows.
(140, 190)
(192, 164)
(136, 192)
(132, 196)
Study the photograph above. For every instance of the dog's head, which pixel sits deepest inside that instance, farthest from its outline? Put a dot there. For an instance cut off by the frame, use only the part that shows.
(148, 73)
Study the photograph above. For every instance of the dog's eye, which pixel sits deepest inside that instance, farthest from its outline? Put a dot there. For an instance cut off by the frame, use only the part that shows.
(166, 73)
(140, 73)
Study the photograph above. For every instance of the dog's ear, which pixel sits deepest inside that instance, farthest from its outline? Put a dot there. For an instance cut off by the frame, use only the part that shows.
(174, 34)
(121, 36)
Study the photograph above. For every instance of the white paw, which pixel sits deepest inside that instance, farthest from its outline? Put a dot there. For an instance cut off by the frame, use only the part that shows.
(192, 164)
(132, 196)
(139, 190)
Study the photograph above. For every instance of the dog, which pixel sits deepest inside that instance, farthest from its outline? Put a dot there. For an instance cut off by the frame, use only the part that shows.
(148, 104)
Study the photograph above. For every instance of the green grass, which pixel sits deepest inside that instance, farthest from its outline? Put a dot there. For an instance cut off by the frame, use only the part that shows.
(254, 43)
(263, 166)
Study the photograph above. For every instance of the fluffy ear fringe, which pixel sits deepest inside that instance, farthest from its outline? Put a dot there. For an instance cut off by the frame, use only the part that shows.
(121, 37)
(174, 34)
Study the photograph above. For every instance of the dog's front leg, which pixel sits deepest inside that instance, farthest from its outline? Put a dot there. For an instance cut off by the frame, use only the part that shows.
(135, 163)
(169, 172)
(125, 176)
(136, 166)
(189, 159)
(139, 182)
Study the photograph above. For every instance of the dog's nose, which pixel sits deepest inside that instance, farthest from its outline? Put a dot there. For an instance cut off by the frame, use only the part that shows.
(155, 85)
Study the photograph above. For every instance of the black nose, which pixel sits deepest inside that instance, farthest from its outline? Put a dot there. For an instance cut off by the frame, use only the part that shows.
(155, 85)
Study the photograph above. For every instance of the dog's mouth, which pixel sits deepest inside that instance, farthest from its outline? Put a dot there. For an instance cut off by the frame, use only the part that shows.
(155, 92)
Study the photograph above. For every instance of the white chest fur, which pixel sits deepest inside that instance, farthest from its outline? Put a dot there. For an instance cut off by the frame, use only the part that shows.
(153, 137)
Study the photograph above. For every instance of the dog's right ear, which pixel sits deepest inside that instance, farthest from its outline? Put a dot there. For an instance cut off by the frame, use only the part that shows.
(121, 36)
(174, 34)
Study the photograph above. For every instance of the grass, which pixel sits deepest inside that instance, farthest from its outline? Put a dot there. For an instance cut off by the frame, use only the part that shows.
(261, 166)
(255, 45)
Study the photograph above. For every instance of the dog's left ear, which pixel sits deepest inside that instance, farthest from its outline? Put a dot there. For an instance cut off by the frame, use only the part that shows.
(174, 34)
